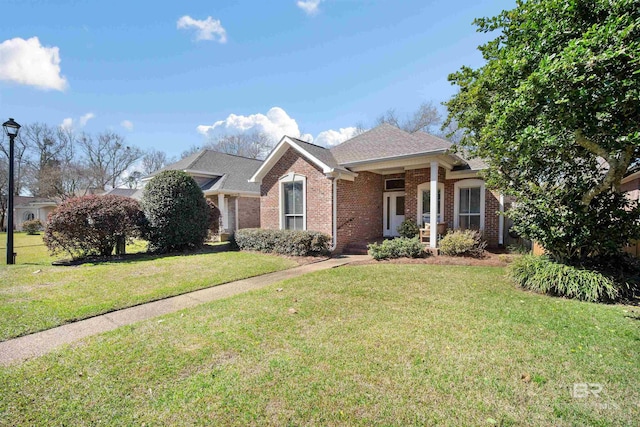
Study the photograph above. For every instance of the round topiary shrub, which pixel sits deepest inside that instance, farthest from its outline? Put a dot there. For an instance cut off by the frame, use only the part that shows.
(177, 212)
(408, 229)
(93, 225)
(32, 227)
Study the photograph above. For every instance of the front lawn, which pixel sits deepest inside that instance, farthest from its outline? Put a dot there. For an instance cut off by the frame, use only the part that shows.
(40, 296)
(364, 345)
(31, 250)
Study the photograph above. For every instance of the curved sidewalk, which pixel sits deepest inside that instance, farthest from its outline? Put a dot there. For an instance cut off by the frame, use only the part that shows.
(39, 343)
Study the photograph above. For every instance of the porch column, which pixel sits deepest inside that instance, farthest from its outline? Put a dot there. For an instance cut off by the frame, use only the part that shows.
(223, 212)
(501, 221)
(433, 237)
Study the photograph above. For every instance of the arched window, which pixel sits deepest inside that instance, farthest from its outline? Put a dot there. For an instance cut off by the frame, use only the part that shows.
(28, 216)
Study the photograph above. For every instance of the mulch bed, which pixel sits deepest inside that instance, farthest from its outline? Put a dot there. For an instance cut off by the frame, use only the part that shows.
(490, 259)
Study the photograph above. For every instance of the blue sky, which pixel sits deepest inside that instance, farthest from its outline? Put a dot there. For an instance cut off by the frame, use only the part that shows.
(163, 73)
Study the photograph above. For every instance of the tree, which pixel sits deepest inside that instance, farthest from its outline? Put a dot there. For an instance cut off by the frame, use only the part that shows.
(152, 161)
(177, 212)
(21, 160)
(426, 118)
(556, 113)
(107, 157)
(254, 145)
(93, 225)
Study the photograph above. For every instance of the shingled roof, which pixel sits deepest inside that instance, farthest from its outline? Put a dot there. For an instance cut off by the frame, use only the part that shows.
(321, 153)
(229, 173)
(384, 142)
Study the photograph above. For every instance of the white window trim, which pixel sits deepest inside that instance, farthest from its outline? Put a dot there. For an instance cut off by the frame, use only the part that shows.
(467, 183)
(286, 179)
(427, 186)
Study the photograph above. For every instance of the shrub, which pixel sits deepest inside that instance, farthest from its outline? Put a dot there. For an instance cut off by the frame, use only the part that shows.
(284, 242)
(214, 217)
(92, 225)
(408, 229)
(539, 274)
(32, 226)
(401, 247)
(463, 242)
(177, 212)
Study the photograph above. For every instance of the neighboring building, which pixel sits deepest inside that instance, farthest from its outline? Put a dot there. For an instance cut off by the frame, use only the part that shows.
(223, 178)
(28, 208)
(134, 193)
(362, 189)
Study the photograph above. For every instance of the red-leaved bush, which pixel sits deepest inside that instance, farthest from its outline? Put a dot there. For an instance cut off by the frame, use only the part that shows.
(92, 225)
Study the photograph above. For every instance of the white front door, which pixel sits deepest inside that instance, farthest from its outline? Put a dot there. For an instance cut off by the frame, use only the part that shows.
(393, 213)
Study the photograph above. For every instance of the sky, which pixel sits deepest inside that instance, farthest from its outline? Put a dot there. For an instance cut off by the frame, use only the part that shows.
(170, 75)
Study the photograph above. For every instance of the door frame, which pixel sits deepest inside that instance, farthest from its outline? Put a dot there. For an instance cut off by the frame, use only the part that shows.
(391, 196)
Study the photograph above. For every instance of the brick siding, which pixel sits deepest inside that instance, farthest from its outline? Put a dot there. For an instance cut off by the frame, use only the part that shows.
(360, 209)
(248, 212)
(319, 193)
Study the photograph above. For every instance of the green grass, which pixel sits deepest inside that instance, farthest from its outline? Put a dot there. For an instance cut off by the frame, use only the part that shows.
(32, 251)
(39, 296)
(369, 345)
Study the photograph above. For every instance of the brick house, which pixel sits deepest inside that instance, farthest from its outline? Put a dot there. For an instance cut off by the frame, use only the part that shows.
(223, 178)
(362, 189)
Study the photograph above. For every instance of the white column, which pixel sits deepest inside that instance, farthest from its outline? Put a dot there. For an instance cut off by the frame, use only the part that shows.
(434, 205)
(223, 212)
(501, 221)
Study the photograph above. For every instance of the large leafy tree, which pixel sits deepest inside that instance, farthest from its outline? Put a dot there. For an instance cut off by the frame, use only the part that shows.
(556, 112)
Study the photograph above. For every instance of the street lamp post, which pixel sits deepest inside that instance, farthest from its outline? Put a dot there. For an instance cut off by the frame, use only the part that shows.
(11, 128)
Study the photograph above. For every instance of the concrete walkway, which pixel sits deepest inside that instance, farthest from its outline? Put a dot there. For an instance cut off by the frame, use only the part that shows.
(34, 345)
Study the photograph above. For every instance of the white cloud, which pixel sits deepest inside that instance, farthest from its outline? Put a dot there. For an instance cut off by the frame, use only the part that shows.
(29, 63)
(329, 138)
(207, 29)
(127, 124)
(84, 119)
(68, 123)
(276, 123)
(310, 7)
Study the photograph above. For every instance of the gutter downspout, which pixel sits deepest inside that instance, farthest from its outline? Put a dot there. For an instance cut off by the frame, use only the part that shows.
(334, 225)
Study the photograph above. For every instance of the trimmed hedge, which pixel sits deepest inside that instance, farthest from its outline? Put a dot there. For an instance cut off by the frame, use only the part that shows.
(284, 242)
(462, 242)
(539, 274)
(400, 247)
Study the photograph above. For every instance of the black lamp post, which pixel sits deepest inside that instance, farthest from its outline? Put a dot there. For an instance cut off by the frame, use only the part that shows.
(11, 128)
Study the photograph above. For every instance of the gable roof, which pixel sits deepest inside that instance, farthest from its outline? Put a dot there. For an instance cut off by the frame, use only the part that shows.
(387, 142)
(229, 173)
(317, 155)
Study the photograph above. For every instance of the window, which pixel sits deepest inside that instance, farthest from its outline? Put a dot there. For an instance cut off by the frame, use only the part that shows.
(469, 215)
(293, 202)
(28, 216)
(394, 184)
(424, 203)
(469, 204)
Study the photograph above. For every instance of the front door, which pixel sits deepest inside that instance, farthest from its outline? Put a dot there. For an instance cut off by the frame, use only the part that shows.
(393, 213)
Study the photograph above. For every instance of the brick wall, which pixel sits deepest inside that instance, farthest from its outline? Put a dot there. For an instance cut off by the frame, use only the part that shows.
(319, 193)
(248, 212)
(491, 217)
(360, 208)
